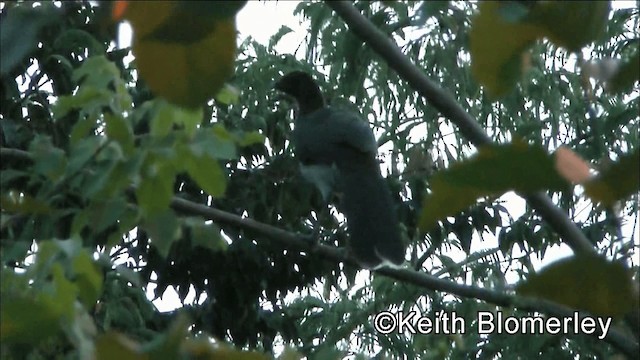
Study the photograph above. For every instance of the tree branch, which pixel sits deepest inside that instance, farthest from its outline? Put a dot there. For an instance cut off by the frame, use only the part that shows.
(447, 105)
(18, 154)
(616, 337)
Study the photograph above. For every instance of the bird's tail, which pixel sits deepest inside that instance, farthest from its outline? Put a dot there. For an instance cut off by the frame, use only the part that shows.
(371, 218)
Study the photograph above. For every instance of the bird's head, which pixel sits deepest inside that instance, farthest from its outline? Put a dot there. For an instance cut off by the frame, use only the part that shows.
(301, 86)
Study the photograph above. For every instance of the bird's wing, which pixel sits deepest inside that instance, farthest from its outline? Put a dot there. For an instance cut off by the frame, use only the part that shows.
(350, 131)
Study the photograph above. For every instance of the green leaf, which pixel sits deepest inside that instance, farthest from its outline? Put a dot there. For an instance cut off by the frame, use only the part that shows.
(224, 9)
(126, 223)
(63, 294)
(18, 33)
(102, 181)
(116, 346)
(204, 349)
(163, 229)
(168, 345)
(206, 172)
(88, 278)
(14, 251)
(497, 46)
(88, 99)
(81, 152)
(168, 115)
(571, 25)
(83, 128)
(129, 275)
(275, 38)
(183, 58)
(492, 172)
(589, 283)
(215, 142)
(78, 40)
(123, 174)
(26, 320)
(156, 188)
(103, 213)
(502, 31)
(620, 181)
(48, 160)
(118, 129)
(206, 235)
(96, 72)
(100, 85)
(223, 146)
(228, 95)
(9, 175)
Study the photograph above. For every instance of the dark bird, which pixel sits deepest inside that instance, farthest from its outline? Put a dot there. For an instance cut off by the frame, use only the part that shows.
(337, 149)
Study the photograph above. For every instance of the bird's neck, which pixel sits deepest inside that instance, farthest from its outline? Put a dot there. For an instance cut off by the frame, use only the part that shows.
(311, 101)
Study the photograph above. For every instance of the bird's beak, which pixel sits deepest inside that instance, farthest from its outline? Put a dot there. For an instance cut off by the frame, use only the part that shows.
(280, 95)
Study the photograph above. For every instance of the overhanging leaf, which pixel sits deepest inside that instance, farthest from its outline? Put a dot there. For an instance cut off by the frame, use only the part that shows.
(18, 33)
(186, 62)
(49, 160)
(163, 230)
(104, 213)
(115, 346)
(205, 235)
(496, 47)
(502, 31)
(88, 279)
(206, 172)
(492, 172)
(78, 40)
(588, 283)
(167, 346)
(618, 182)
(26, 321)
(215, 9)
(118, 129)
(156, 188)
(204, 349)
(571, 25)
(167, 115)
(215, 142)
(228, 95)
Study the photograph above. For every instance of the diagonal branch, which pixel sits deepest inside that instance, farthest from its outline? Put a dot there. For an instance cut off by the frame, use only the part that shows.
(447, 105)
(615, 337)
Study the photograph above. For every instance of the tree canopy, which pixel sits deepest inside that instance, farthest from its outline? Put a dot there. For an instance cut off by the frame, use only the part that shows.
(175, 170)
